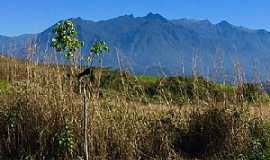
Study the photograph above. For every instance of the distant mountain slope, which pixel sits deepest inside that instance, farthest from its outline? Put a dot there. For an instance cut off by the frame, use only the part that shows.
(148, 44)
(17, 46)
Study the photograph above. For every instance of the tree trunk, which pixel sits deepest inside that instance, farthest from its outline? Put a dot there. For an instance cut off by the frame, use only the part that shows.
(85, 111)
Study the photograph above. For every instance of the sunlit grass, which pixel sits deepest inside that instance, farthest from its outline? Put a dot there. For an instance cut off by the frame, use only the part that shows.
(148, 79)
(4, 87)
(41, 109)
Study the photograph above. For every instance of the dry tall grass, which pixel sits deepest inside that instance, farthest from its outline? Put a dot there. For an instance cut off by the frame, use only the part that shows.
(41, 118)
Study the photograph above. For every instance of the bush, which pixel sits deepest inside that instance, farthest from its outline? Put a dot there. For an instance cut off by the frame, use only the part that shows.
(260, 140)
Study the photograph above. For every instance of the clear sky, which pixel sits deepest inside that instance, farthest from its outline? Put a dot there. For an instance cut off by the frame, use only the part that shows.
(32, 16)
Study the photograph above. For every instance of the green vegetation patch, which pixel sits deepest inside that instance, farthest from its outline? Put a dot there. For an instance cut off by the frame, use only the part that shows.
(4, 87)
(225, 87)
(265, 141)
(260, 140)
(148, 79)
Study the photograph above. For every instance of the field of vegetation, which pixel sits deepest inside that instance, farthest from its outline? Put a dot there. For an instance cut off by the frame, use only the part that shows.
(130, 117)
(50, 111)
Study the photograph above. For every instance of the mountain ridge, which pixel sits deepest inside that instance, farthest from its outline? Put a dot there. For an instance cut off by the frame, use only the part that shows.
(153, 41)
(149, 14)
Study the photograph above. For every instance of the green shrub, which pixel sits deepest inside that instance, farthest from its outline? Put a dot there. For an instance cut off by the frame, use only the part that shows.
(64, 141)
(260, 140)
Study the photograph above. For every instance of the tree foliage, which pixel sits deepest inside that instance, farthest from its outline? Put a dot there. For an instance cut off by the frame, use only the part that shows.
(97, 49)
(65, 39)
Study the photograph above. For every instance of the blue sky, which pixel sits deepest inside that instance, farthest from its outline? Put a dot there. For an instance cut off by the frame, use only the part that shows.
(32, 16)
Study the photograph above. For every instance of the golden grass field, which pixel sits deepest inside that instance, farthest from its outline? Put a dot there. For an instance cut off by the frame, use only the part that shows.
(41, 117)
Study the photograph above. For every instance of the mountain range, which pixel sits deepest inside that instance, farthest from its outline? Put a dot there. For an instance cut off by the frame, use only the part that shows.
(155, 45)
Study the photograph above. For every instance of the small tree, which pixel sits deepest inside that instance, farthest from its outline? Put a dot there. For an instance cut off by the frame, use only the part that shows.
(97, 49)
(66, 42)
